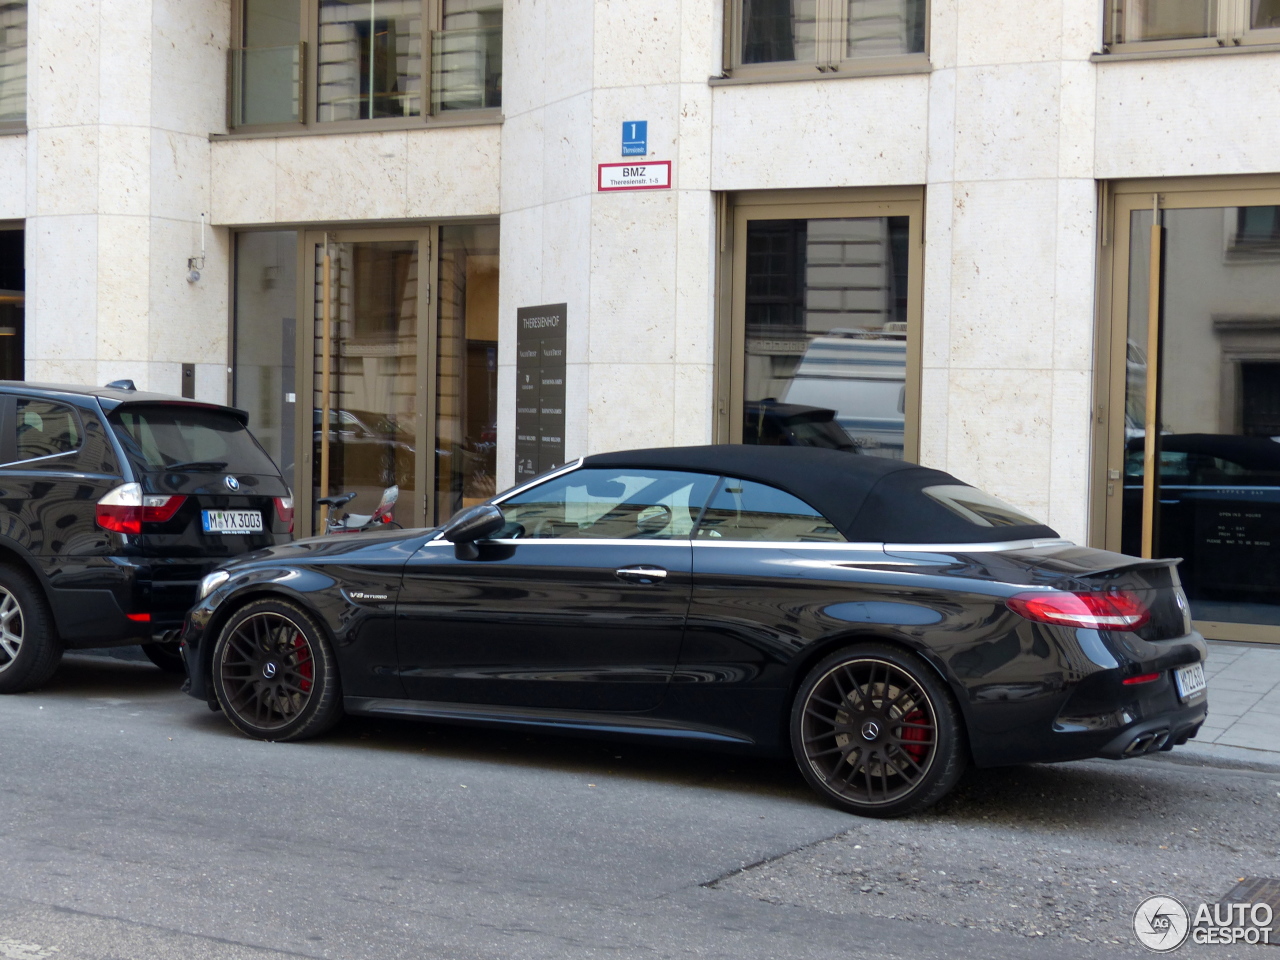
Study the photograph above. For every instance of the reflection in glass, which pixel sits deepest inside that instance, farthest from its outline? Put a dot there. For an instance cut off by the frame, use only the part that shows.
(467, 367)
(746, 510)
(826, 333)
(266, 73)
(266, 340)
(13, 60)
(13, 300)
(779, 30)
(1133, 20)
(1264, 14)
(609, 504)
(373, 385)
(369, 60)
(466, 56)
(1217, 502)
(879, 28)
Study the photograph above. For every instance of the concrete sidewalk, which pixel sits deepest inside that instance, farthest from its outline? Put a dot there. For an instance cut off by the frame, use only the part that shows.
(1244, 703)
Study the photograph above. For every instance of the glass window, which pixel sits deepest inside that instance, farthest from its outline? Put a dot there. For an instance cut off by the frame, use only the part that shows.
(1134, 20)
(266, 71)
(879, 28)
(266, 336)
(612, 504)
(1220, 21)
(13, 60)
(1264, 14)
(746, 510)
(467, 367)
(775, 30)
(466, 56)
(826, 333)
(824, 32)
(369, 61)
(161, 436)
(980, 509)
(46, 429)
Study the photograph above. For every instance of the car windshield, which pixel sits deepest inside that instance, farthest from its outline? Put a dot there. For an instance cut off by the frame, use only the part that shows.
(164, 437)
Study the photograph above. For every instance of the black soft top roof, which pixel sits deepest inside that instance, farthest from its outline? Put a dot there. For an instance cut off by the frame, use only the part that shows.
(869, 499)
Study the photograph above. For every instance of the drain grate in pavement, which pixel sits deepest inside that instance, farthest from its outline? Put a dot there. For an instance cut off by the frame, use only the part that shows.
(1259, 890)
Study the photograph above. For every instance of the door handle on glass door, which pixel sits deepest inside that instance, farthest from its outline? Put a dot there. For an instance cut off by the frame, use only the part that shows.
(641, 574)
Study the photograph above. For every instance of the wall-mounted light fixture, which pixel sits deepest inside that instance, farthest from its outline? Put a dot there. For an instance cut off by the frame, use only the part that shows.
(196, 264)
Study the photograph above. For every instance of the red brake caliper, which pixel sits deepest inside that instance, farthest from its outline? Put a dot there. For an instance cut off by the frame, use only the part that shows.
(915, 733)
(304, 666)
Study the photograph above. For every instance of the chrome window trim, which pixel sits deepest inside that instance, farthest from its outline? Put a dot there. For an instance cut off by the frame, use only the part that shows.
(47, 456)
(976, 547)
(537, 482)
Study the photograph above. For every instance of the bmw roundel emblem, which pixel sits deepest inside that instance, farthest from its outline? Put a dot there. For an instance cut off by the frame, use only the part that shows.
(233, 483)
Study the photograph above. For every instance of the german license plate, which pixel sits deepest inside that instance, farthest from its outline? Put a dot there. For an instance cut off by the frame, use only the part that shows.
(231, 521)
(1190, 680)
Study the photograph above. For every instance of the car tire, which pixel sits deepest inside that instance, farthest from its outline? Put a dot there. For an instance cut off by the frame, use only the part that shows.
(166, 656)
(274, 673)
(30, 649)
(876, 732)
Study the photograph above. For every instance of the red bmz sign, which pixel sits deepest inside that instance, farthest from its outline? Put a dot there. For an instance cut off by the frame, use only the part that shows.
(655, 175)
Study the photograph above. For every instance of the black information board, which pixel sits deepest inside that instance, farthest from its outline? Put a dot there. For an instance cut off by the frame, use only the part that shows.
(540, 349)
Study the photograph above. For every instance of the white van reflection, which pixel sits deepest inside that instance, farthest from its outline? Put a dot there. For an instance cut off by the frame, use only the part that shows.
(861, 375)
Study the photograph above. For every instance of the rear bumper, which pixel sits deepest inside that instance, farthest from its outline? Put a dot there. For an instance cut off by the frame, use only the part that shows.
(1157, 733)
(92, 603)
(1094, 713)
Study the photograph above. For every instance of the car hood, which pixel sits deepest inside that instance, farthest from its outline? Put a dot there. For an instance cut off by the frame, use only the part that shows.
(327, 548)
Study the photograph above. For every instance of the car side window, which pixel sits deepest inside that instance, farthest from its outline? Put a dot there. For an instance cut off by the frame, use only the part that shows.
(621, 503)
(45, 429)
(746, 510)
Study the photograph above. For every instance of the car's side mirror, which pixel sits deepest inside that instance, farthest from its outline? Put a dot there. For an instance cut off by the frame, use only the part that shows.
(472, 524)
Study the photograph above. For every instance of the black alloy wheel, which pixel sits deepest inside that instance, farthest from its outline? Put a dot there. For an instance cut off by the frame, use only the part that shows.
(876, 733)
(274, 673)
(30, 650)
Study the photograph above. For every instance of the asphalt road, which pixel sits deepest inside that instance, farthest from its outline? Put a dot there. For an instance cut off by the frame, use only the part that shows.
(136, 824)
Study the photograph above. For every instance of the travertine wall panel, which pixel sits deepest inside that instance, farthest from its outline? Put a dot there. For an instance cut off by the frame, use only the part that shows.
(1190, 116)
(396, 175)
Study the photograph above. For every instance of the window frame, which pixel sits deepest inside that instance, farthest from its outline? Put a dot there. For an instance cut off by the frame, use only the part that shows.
(830, 68)
(432, 19)
(19, 126)
(1233, 31)
(736, 211)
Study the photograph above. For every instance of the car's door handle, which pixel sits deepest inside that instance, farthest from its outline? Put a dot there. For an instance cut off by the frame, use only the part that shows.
(641, 574)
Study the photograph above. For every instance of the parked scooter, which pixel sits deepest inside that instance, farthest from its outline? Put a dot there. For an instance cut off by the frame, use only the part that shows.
(380, 519)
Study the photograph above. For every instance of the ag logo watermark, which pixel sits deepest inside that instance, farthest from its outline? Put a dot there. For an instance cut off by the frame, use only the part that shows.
(1162, 924)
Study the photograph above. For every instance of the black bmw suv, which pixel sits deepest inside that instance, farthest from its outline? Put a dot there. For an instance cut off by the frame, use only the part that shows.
(113, 505)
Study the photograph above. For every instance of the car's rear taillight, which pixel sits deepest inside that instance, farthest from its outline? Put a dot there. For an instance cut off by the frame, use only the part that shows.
(120, 511)
(158, 509)
(1110, 610)
(125, 509)
(284, 510)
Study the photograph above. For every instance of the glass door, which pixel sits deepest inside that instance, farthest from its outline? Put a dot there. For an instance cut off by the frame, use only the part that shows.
(1193, 459)
(370, 350)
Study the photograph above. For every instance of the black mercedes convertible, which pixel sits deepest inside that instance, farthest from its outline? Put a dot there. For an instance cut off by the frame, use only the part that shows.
(885, 623)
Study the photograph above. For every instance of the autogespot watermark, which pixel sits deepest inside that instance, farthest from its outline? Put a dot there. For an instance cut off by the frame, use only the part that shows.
(1162, 924)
